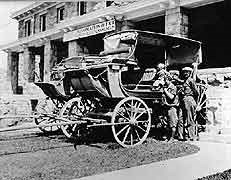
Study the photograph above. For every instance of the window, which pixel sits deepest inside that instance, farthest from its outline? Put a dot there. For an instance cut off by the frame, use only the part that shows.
(82, 8)
(60, 14)
(28, 28)
(42, 22)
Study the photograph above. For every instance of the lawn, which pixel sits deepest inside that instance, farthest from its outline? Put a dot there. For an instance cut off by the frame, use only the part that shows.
(41, 157)
(226, 175)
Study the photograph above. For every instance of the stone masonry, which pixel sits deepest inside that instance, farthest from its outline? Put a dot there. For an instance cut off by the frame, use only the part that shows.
(176, 22)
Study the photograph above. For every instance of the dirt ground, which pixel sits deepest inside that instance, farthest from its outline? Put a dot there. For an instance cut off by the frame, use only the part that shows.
(35, 156)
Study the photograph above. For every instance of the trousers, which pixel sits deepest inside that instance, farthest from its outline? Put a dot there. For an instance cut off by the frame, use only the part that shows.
(189, 112)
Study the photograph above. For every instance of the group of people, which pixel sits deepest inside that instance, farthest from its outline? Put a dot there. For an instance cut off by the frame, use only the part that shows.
(180, 93)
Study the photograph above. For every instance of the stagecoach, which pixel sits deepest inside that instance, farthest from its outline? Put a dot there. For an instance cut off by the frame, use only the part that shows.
(115, 88)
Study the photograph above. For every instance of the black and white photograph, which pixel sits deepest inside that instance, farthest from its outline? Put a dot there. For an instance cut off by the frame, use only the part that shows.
(115, 90)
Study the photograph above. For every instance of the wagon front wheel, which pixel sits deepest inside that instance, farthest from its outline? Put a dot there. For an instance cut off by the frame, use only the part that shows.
(131, 121)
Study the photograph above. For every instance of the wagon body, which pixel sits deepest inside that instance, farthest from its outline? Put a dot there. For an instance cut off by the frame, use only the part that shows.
(119, 70)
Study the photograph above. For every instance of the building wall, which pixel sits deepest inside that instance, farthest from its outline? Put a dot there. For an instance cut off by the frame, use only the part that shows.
(21, 29)
(71, 10)
(175, 22)
(51, 17)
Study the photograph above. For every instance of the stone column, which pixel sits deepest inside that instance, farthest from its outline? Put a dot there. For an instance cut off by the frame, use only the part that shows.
(9, 69)
(29, 65)
(12, 73)
(176, 22)
(74, 49)
(48, 60)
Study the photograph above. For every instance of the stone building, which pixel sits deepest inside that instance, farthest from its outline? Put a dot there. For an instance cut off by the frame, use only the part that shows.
(51, 31)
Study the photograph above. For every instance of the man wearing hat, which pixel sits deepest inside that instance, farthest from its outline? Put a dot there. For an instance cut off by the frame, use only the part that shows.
(175, 77)
(161, 73)
(170, 105)
(188, 95)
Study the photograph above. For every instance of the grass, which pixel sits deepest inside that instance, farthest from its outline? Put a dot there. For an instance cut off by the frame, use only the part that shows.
(37, 157)
(226, 175)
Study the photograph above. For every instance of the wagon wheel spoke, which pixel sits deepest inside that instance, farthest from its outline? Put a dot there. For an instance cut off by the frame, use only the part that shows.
(123, 116)
(137, 117)
(126, 135)
(125, 127)
(137, 134)
(141, 128)
(126, 110)
(131, 138)
(136, 109)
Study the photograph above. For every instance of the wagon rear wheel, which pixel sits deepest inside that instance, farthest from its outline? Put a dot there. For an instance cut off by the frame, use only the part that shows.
(44, 108)
(131, 122)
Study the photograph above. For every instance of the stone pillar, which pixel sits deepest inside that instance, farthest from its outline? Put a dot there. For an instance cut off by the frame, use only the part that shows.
(74, 48)
(29, 65)
(9, 62)
(176, 22)
(48, 58)
(12, 73)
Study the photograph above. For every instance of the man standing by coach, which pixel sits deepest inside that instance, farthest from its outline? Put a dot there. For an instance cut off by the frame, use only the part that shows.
(188, 95)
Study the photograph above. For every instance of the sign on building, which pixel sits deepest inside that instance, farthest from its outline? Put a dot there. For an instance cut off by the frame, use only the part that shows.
(91, 30)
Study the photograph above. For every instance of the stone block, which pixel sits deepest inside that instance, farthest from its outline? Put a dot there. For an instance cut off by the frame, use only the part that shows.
(176, 22)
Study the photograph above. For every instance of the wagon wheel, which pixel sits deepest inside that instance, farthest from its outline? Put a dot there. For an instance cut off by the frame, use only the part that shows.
(45, 108)
(201, 106)
(132, 121)
(73, 110)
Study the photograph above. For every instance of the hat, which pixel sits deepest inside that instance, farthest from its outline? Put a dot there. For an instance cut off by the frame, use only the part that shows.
(187, 69)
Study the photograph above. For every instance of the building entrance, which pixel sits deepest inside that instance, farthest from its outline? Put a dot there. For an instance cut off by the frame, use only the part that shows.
(208, 25)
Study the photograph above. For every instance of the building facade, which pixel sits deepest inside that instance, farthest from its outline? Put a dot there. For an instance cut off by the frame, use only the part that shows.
(51, 31)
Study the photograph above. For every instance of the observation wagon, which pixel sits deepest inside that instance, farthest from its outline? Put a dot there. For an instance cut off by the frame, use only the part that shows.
(115, 88)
